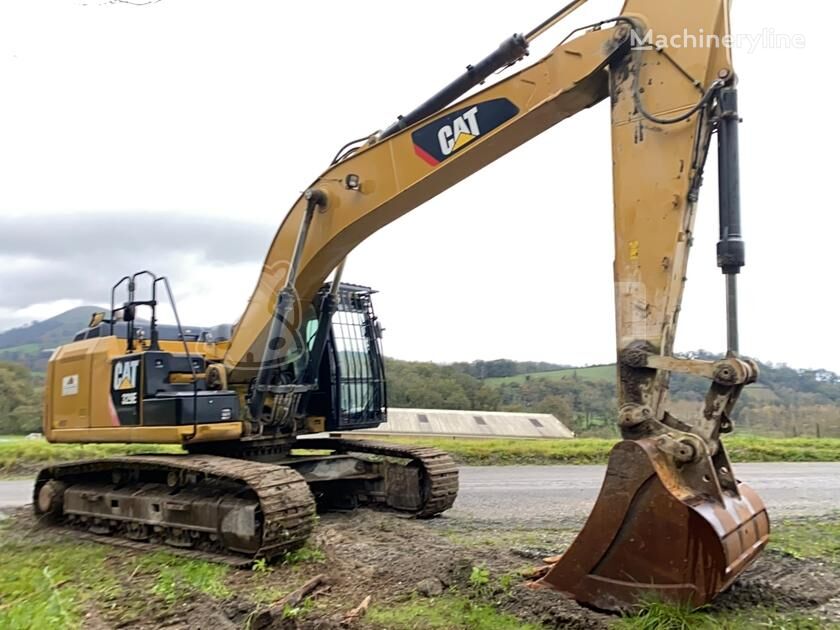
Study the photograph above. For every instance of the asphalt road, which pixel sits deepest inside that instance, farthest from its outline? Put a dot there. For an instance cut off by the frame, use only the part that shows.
(547, 496)
(15, 493)
(557, 495)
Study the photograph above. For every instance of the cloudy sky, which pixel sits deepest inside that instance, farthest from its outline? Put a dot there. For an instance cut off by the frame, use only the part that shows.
(175, 135)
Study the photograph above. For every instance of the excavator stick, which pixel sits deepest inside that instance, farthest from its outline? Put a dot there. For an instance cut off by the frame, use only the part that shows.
(651, 537)
(672, 522)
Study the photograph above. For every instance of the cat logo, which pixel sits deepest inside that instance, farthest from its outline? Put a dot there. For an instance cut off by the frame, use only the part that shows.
(446, 136)
(461, 132)
(125, 374)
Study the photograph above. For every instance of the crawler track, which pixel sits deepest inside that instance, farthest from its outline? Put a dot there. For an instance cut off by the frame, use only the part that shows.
(284, 508)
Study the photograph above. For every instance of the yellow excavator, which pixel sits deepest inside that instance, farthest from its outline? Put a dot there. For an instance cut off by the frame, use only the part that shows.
(672, 519)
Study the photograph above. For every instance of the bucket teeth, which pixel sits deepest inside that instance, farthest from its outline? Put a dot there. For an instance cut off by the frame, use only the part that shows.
(651, 535)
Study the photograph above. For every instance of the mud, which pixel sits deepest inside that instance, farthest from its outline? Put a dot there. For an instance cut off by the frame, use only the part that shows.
(552, 610)
(781, 581)
(392, 558)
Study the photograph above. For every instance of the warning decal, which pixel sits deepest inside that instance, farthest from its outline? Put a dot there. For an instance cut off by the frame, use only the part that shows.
(70, 385)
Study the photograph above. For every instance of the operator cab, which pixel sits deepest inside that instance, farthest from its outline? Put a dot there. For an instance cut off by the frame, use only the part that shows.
(351, 391)
(337, 372)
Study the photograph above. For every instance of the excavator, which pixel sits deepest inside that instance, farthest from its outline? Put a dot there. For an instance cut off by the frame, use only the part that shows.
(246, 402)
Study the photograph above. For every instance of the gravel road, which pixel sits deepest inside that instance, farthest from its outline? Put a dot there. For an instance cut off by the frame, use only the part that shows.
(555, 496)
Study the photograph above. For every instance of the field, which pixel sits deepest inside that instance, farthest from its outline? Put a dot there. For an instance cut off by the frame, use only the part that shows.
(445, 574)
(20, 456)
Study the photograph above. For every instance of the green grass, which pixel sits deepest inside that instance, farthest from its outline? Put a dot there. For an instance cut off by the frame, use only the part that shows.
(502, 452)
(662, 616)
(808, 538)
(305, 555)
(177, 577)
(19, 456)
(47, 586)
(592, 373)
(448, 612)
(761, 449)
(49, 583)
(596, 450)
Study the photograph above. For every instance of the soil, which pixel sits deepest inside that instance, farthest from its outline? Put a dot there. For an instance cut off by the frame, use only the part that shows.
(392, 558)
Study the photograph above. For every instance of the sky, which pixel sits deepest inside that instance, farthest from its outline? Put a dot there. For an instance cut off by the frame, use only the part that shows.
(175, 135)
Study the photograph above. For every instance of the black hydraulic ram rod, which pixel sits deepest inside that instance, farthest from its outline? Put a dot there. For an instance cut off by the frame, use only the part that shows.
(730, 247)
(510, 50)
(274, 350)
(328, 306)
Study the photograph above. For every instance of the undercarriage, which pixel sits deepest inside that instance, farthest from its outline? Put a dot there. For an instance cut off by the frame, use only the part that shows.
(237, 508)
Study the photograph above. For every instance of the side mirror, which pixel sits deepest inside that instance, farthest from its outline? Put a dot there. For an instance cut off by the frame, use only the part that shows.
(96, 319)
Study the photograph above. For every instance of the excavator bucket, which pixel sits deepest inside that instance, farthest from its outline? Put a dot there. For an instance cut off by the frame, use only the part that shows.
(652, 535)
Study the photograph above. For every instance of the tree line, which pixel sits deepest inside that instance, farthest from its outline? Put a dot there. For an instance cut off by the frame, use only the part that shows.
(20, 399)
(786, 402)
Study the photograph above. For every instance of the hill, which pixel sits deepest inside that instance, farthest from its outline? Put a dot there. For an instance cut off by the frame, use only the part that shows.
(25, 344)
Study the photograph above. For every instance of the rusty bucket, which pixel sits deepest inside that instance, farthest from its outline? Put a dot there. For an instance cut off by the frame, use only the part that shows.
(662, 531)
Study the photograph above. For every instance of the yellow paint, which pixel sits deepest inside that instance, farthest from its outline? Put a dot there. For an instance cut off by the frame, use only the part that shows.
(150, 435)
(462, 140)
(87, 417)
